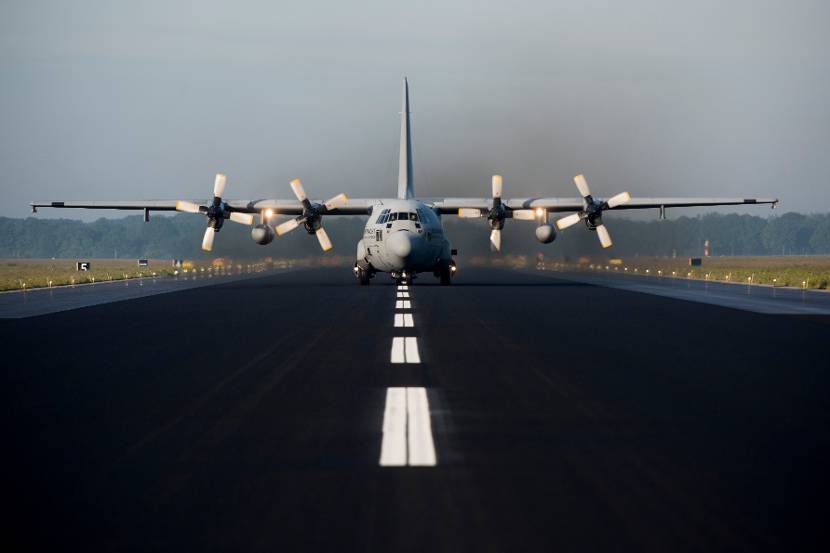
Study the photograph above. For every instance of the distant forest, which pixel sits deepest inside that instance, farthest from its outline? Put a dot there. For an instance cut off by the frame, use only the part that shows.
(180, 236)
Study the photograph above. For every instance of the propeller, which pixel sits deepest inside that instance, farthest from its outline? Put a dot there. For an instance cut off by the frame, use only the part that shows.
(216, 211)
(496, 214)
(312, 215)
(592, 211)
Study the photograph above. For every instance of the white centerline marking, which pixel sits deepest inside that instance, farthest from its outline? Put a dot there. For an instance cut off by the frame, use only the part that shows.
(393, 446)
(419, 429)
(407, 429)
(404, 320)
(403, 304)
(403, 294)
(398, 350)
(411, 347)
(405, 350)
(403, 288)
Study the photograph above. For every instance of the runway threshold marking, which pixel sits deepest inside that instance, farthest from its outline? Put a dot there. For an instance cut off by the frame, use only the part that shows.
(407, 429)
(404, 320)
(403, 304)
(405, 350)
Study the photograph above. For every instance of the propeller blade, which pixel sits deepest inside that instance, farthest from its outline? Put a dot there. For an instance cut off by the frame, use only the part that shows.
(287, 226)
(469, 213)
(207, 241)
(619, 199)
(495, 239)
(338, 201)
(242, 218)
(524, 214)
(323, 237)
(604, 237)
(188, 207)
(497, 186)
(219, 185)
(568, 221)
(582, 185)
(298, 189)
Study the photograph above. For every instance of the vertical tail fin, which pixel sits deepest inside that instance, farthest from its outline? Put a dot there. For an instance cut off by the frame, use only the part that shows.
(405, 188)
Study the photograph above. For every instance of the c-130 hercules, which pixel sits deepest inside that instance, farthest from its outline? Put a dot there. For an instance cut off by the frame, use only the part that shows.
(404, 235)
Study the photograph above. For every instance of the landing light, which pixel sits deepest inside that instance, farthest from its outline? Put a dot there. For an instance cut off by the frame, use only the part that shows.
(269, 213)
(539, 211)
(453, 268)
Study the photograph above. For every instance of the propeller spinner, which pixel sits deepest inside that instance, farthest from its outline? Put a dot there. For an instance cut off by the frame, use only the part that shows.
(496, 214)
(312, 215)
(216, 211)
(592, 211)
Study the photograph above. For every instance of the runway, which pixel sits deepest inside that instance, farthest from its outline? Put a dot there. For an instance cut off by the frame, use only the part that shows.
(509, 412)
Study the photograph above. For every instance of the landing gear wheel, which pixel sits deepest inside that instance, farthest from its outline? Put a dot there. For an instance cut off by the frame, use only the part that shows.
(364, 276)
(445, 275)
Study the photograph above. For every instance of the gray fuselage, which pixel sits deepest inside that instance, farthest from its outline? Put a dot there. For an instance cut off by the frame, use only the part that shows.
(404, 235)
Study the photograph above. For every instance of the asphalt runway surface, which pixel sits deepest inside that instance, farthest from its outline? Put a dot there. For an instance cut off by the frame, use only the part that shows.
(508, 412)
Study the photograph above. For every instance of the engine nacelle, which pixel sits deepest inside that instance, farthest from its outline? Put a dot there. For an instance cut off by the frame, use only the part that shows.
(545, 234)
(262, 234)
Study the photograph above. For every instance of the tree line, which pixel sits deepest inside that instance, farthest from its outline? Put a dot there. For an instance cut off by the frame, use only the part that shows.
(179, 236)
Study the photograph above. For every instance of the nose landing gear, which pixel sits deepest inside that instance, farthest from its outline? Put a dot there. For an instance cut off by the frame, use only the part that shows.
(402, 277)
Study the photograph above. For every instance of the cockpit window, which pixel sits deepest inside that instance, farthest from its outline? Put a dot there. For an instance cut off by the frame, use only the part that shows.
(399, 216)
(383, 216)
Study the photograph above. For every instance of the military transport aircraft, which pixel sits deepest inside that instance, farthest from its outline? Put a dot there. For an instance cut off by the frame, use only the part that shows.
(404, 235)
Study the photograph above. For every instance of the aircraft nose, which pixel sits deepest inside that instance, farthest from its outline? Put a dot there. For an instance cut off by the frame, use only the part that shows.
(400, 244)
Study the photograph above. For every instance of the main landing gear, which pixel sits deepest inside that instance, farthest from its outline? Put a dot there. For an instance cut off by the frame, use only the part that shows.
(446, 272)
(363, 274)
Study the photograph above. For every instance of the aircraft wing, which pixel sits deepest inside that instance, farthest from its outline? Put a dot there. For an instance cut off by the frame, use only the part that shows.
(151, 205)
(352, 206)
(452, 205)
(359, 206)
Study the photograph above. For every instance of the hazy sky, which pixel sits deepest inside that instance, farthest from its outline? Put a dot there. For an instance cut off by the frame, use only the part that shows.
(137, 100)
